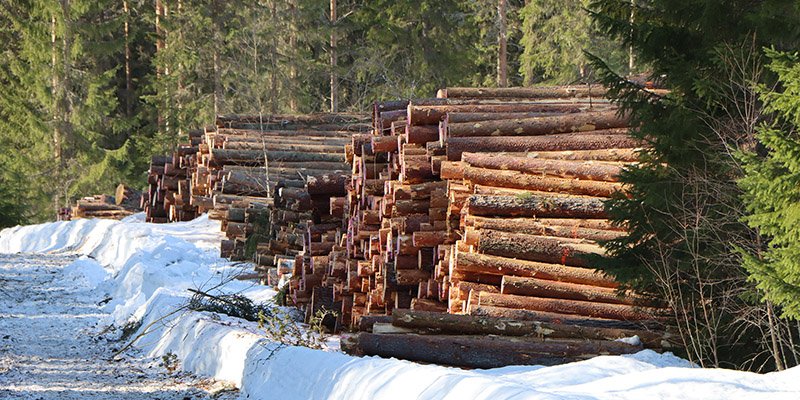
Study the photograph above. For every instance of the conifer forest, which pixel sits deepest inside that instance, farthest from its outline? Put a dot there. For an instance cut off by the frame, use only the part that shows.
(660, 191)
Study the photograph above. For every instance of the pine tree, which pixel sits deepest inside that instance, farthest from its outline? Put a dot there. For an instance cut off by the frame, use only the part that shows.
(772, 191)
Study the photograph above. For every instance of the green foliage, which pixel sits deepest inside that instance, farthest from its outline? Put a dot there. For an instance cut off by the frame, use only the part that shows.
(556, 34)
(772, 191)
(684, 209)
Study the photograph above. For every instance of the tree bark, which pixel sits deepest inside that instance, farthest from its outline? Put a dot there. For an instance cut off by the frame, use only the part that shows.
(494, 265)
(442, 323)
(535, 206)
(334, 79)
(586, 308)
(502, 67)
(537, 248)
(255, 157)
(485, 351)
(532, 226)
(431, 114)
(559, 142)
(528, 181)
(535, 287)
(558, 318)
(542, 92)
(548, 125)
(588, 170)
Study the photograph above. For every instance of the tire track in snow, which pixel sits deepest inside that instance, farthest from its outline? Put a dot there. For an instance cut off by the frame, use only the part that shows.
(51, 345)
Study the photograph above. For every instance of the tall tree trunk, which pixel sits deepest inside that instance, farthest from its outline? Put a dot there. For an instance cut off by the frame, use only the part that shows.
(273, 95)
(128, 80)
(159, 8)
(631, 56)
(54, 83)
(293, 60)
(217, 44)
(502, 54)
(334, 79)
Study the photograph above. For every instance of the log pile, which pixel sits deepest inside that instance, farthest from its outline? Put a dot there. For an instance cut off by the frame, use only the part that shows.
(126, 202)
(483, 205)
(488, 342)
(489, 204)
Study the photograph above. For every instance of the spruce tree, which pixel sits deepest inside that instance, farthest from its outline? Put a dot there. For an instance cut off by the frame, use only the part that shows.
(683, 209)
(772, 190)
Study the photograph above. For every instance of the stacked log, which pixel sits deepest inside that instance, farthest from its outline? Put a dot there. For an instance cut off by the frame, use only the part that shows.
(481, 204)
(491, 206)
(169, 196)
(125, 203)
(488, 342)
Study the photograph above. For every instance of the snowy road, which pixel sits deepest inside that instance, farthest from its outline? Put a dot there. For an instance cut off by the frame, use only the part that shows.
(51, 345)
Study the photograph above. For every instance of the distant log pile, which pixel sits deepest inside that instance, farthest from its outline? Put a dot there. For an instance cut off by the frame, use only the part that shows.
(481, 207)
(127, 201)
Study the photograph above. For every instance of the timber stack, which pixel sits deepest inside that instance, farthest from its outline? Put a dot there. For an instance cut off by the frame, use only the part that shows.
(168, 197)
(489, 203)
(477, 208)
(125, 202)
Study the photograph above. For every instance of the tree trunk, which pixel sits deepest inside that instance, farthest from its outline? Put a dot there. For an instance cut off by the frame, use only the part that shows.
(537, 248)
(485, 351)
(420, 114)
(528, 181)
(494, 265)
(128, 72)
(558, 318)
(532, 226)
(255, 157)
(565, 169)
(586, 308)
(543, 92)
(502, 67)
(535, 287)
(560, 142)
(442, 323)
(535, 206)
(548, 125)
(334, 79)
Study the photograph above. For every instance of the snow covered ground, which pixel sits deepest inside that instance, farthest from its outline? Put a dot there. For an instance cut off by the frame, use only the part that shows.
(130, 272)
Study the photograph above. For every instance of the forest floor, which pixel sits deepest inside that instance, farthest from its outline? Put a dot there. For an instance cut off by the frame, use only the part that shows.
(53, 344)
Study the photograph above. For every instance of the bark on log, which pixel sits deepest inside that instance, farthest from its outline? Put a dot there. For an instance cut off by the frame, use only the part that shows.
(535, 126)
(485, 351)
(527, 181)
(564, 290)
(494, 265)
(254, 157)
(531, 226)
(535, 206)
(560, 142)
(537, 248)
(567, 169)
(541, 92)
(431, 115)
(586, 308)
(458, 117)
(422, 133)
(442, 323)
(558, 318)
(301, 148)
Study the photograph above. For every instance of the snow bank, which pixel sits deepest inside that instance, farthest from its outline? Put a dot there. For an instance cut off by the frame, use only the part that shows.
(147, 268)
